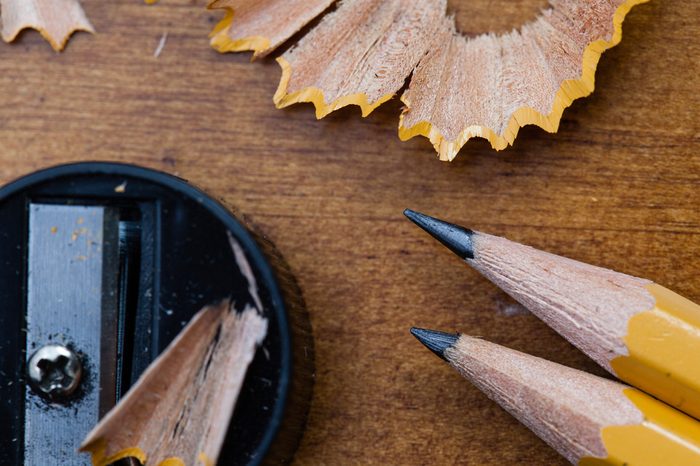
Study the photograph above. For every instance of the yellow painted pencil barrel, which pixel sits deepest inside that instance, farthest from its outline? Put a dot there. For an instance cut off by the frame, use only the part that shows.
(665, 437)
(664, 351)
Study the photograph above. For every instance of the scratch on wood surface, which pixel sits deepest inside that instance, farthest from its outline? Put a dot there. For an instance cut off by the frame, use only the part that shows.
(161, 45)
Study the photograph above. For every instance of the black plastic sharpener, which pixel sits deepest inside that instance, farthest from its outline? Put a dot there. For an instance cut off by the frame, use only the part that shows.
(158, 252)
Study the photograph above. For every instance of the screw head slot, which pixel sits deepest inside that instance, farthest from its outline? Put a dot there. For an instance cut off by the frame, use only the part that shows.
(54, 372)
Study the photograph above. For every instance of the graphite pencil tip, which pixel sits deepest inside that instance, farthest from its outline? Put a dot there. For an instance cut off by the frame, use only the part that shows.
(458, 239)
(435, 341)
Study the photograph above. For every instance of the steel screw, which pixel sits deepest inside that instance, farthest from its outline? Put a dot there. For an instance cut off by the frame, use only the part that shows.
(54, 372)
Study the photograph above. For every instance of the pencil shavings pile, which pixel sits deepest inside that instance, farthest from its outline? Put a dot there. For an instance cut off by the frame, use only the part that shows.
(488, 86)
(55, 20)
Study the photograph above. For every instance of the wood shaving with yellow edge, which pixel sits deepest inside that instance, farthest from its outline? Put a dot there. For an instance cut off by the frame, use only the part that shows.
(261, 25)
(332, 68)
(487, 86)
(55, 20)
(178, 412)
(505, 82)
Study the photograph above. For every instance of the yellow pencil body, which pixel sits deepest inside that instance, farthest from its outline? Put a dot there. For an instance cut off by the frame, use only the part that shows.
(666, 437)
(664, 351)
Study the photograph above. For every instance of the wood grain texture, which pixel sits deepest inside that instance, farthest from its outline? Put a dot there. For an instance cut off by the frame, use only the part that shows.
(618, 186)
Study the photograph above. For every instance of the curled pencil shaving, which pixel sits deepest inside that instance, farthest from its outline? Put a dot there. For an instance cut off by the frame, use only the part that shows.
(332, 68)
(505, 82)
(179, 411)
(488, 86)
(261, 25)
(55, 20)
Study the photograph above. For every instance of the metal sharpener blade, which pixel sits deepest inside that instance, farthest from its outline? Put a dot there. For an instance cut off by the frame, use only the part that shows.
(71, 301)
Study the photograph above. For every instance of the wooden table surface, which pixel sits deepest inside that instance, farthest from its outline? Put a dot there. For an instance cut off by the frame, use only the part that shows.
(618, 186)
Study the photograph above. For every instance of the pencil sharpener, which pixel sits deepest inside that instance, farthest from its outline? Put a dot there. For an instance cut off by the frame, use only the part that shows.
(102, 265)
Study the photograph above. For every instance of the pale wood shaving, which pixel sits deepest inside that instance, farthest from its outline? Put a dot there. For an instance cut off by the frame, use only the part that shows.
(262, 25)
(182, 404)
(499, 83)
(178, 412)
(366, 67)
(487, 86)
(55, 20)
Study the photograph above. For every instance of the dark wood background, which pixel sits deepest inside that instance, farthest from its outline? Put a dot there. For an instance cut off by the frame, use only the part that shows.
(618, 186)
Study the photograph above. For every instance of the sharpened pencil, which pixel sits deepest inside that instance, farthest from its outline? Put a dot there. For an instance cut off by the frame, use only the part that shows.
(638, 330)
(589, 420)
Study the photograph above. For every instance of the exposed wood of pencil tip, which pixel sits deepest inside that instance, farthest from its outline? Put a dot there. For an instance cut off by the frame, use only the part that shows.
(589, 420)
(639, 331)
(541, 394)
(556, 289)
